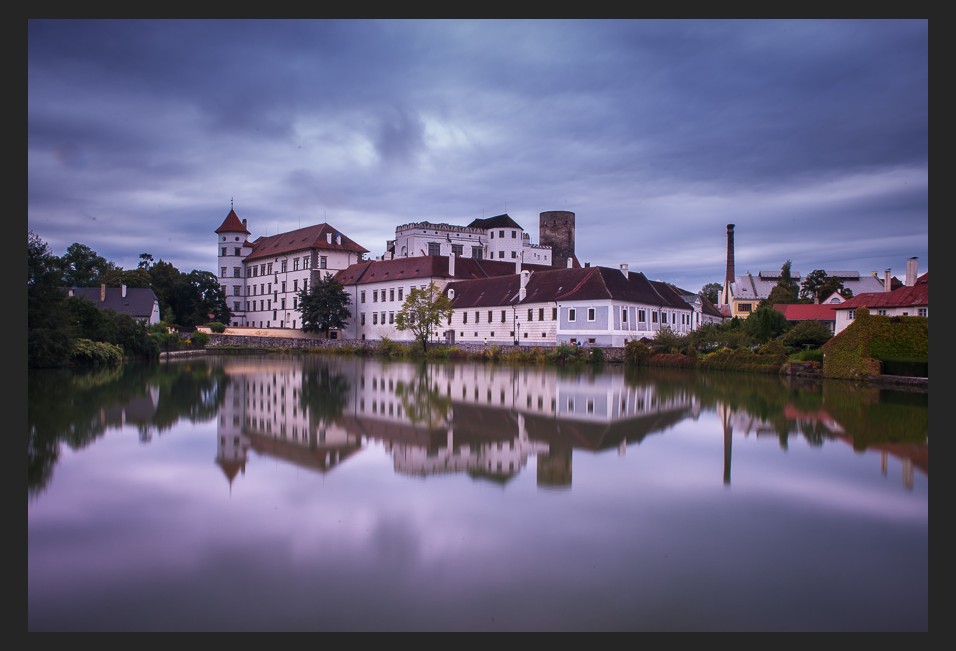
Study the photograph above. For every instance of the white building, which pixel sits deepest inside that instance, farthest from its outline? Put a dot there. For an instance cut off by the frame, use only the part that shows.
(495, 238)
(262, 278)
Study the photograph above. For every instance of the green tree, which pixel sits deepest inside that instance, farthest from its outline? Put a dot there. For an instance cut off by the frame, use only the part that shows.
(812, 282)
(807, 333)
(324, 306)
(765, 323)
(785, 291)
(49, 336)
(212, 298)
(712, 292)
(82, 267)
(422, 311)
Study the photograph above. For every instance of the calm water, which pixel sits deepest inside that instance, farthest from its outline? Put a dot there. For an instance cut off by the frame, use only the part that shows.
(302, 493)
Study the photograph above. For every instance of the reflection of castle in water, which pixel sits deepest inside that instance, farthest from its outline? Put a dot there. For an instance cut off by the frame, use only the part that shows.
(485, 420)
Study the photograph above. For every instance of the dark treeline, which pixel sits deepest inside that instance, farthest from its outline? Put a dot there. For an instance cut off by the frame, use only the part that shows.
(57, 324)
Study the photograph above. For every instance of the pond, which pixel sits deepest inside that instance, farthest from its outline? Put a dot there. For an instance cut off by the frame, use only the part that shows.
(321, 493)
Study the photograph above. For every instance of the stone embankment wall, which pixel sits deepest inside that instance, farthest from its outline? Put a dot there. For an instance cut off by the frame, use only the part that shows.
(311, 343)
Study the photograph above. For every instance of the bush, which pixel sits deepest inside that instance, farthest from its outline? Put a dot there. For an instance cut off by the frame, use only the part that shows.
(637, 353)
(200, 339)
(216, 327)
(95, 353)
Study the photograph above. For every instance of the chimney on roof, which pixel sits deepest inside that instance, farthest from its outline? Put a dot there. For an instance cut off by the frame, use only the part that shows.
(911, 272)
(587, 264)
(70, 293)
(338, 239)
(523, 291)
(451, 264)
(102, 293)
(570, 262)
(518, 262)
(887, 283)
(328, 238)
(624, 269)
(123, 291)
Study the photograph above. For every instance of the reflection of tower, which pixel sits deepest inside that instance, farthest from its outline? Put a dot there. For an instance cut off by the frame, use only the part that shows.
(556, 229)
(725, 412)
(232, 445)
(729, 276)
(554, 468)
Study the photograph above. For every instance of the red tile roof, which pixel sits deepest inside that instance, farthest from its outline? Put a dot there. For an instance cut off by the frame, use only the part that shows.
(232, 224)
(310, 237)
(807, 311)
(916, 295)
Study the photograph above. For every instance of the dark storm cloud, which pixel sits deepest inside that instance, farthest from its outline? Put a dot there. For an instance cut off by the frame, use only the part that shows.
(810, 135)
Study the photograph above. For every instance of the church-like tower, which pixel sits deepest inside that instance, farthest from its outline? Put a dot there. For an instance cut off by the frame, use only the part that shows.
(233, 246)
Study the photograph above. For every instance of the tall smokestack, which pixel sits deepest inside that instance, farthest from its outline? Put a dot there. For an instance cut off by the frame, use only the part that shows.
(730, 254)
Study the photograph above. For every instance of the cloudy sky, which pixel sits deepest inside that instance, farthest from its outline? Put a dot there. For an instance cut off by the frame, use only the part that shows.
(811, 136)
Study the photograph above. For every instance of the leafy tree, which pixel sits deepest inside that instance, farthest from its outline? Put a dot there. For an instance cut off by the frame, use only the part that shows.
(324, 306)
(785, 291)
(49, 336)
(812, 282)
(82, 267)
(212, 298)
(712, 292)
(807, 333)
(422, 311)
(765, 323)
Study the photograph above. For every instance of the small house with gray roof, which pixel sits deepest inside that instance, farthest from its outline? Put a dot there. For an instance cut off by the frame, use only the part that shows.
(140, 303)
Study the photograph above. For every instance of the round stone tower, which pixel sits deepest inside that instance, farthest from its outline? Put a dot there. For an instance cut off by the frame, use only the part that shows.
(556, 229)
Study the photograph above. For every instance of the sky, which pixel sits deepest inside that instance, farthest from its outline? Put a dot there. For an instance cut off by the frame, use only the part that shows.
(810, 136)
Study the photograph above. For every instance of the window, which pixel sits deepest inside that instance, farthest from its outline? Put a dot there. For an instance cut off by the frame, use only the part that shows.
(502, 316)
(362, 296)
(285, 265)
(514, 254)
(323, 262)
(464, 317)
(851, 315)
(235, 290)
(391, 317)
(283, 287)
(654, 316)
(492, 235)
(572, 315)
(501, 233)
(375, 296)
(458, 249)
(283, 304)
(477, 315)
(362, 318)
(746, 307)
(554, 314)
(501, 254)
(374, 318)
(235, 306)
(391, 294)
(590, 314)
(514, 235)
(269, 270)
(881, 312)
(623, 315)
(236, 251)
(922, 311)
(476, 252)
(295, 264)
(434, 248)
(223, 251)
(641, 316)
(295, 287)
(223, 272)
(401, 291)
(307, 261)
(530, 314)
(540, 314)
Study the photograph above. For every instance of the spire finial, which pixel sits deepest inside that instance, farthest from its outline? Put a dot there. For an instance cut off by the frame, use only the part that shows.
(230, 203)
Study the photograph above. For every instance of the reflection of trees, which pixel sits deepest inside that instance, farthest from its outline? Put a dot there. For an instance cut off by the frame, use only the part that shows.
(423, 403)
(74, 407)
(324, 392)
(867, 414)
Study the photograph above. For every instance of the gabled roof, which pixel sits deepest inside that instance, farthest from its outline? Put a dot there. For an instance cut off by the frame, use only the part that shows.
(138, 302)
(807, 311)
(565, 284)
(232, 224)
(310, 237)
(498, 221)
(426, 266)
(916, 295)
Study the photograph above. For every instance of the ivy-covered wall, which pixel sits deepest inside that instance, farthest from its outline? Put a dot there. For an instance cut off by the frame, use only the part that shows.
(857, 352)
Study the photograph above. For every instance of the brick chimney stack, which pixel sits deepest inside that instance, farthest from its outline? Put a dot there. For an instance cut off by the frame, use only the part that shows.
(102, 293)
(887, 281)
(729, 277)
(911, 272)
